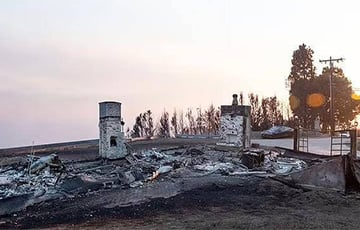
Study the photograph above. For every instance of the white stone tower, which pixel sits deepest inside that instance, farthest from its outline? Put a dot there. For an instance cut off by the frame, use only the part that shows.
(111, 141)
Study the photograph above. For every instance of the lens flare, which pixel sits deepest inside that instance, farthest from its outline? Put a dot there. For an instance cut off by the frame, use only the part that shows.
(355, 96)
(315, 100)
(294, 102)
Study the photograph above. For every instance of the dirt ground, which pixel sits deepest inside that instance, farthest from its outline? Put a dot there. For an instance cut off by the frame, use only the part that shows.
(255, 203)
(249, 202)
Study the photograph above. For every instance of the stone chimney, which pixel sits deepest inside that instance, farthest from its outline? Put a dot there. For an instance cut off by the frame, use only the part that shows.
(235, 124)
(111, 141)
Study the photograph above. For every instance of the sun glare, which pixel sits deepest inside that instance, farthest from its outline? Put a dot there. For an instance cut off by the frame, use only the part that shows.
(355, 96)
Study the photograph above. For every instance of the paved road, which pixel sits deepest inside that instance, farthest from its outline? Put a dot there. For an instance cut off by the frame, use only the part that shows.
(319, 145)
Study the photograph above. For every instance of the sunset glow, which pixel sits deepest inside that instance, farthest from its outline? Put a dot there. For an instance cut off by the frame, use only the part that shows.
(59, 59)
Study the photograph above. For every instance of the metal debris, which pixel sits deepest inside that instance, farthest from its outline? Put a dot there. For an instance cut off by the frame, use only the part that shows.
(253, 159)
(48, 179)
(51, 161)
(161, 170)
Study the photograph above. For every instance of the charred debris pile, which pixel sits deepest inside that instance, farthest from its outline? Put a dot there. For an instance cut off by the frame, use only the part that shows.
(145, 174)
(42, 179)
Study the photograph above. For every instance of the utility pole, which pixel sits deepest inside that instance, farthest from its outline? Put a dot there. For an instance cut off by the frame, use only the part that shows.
(331, 62)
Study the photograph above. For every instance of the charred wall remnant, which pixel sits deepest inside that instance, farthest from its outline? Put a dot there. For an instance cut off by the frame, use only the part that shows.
(235, 125)
(111, 141)
(340, 173)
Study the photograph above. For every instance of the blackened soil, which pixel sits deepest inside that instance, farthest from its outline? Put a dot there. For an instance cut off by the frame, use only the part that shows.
(258, 203)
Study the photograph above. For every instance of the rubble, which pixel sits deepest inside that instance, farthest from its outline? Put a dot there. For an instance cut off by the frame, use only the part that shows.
(253, 159)
(25, 185)
(288, 165)
(161, 170)
(40, 164)
(334, 174)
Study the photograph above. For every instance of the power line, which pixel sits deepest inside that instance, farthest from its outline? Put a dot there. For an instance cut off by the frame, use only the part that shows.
(331, 62)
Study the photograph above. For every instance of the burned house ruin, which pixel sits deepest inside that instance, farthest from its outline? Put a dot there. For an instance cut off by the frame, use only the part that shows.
(111, 140)
(160, 173)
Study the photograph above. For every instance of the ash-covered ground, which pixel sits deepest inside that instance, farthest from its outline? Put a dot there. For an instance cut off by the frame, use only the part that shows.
(172, 184)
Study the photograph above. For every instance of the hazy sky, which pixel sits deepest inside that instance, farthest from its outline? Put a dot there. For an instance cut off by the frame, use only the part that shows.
(58, 59)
